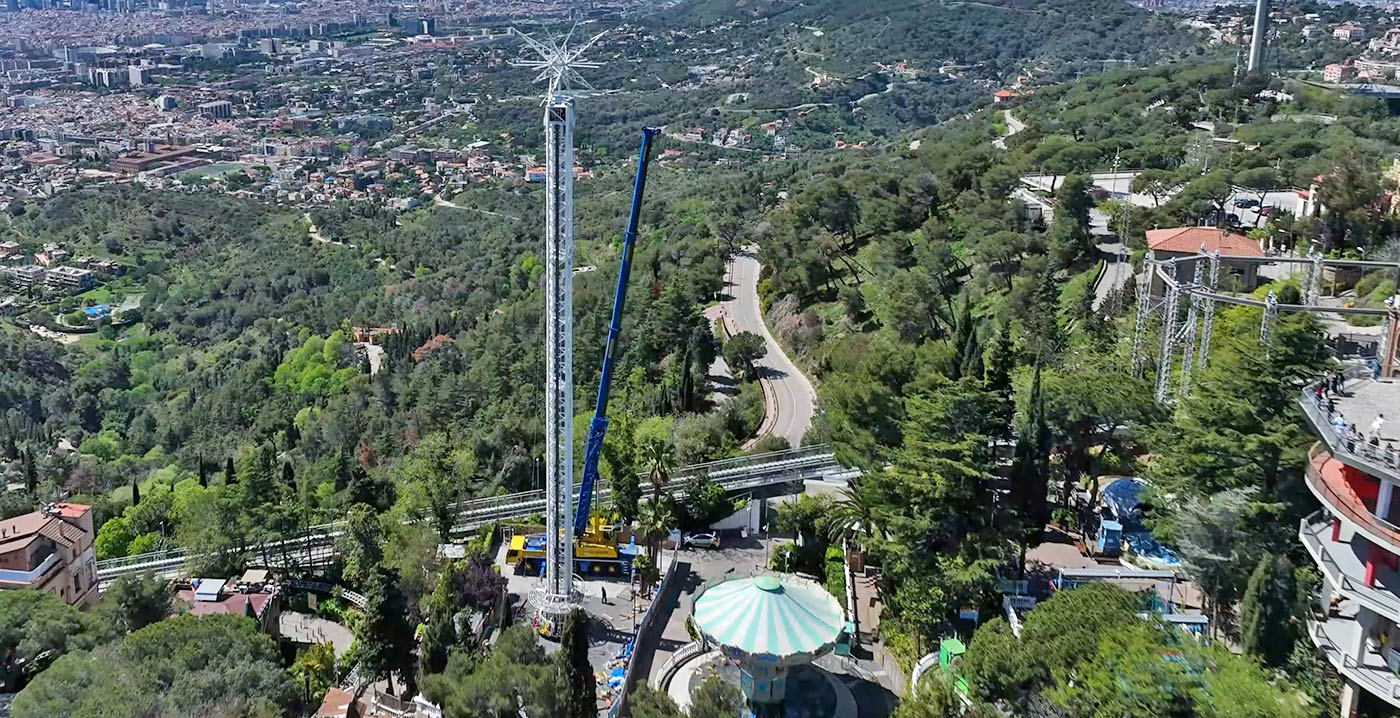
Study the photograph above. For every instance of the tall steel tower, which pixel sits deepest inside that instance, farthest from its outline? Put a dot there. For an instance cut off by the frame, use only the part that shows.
(557, 65)
(1259, 42)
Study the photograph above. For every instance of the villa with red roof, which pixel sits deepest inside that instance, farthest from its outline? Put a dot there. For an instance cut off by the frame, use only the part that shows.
(1189, 241)
(51, 550)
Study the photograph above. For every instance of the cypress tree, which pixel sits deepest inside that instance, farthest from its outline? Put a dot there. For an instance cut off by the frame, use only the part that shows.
(1267, 612)
(31, 475)
(229, 477)
(581, 693)
(289, 477)
(997, 379)
(203, 473)
(135, 492)
(1031, 473)
(964, 339)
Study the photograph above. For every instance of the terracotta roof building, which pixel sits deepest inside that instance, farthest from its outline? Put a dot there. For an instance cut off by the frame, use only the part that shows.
(1189, 241)
(51, 550)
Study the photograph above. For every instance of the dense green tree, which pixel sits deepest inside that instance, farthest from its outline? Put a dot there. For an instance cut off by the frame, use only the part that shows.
(936, 697)
(360, 544)
(313, 672)
(130, 603)
(113, 538)
(1030, 479)
(1268, 626)
(33, 623)
(385, 635)
(1074, 200)
(580, 692)
(742, 350)
(716, 698)
(1351, 194)
(220, 663)
(1087, 653)
(514, 676)
(647, 702)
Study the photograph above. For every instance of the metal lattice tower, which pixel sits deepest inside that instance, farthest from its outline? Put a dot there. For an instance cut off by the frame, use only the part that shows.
(1144, 312)
(1169, 321)
(1267, 324)
(1188, 344)
(1208, 308)
(557, 65)
(1313, 286)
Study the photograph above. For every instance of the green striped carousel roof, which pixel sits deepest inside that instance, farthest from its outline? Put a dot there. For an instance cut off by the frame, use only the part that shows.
(767, 615)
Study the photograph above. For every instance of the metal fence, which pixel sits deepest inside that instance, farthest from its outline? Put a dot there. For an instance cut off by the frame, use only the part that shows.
(1348, 443)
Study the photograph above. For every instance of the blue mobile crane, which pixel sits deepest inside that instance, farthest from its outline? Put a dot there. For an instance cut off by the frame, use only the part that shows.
(598, 428)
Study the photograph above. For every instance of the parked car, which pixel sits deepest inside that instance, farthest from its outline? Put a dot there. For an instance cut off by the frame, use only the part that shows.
(1246, 203)
(1264, 211)
(702, 540)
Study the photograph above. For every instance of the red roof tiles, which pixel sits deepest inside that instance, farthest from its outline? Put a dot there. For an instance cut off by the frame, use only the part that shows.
(1189, 240)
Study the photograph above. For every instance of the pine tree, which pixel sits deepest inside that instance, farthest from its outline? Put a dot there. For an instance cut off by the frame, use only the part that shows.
(385, 632)
(581, 696)
(1268, 629)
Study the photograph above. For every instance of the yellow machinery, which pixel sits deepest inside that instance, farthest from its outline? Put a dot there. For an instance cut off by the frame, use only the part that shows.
(596, 551)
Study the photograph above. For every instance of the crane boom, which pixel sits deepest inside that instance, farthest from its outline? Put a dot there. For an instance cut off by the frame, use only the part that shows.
(598, 428)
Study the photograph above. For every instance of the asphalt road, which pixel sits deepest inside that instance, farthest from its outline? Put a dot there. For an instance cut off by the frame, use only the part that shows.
(791, 394)
(1013, 126)
(1115, 274)
(1118, 184)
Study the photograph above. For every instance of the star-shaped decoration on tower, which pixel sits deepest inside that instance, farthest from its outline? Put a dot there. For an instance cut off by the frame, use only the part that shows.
(558, 63)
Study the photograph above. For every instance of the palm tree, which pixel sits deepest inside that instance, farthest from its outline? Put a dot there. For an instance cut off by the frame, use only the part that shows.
(852, 517)
(654, 519)
(658, 455)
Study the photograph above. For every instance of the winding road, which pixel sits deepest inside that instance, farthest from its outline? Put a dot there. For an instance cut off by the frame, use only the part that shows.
(789, 401)
(1013, 126)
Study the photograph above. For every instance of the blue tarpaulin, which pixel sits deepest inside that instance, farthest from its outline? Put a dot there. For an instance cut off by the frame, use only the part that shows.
(1123, 499)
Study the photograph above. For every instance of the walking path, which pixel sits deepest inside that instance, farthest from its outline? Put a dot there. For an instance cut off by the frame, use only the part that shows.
(788, 398)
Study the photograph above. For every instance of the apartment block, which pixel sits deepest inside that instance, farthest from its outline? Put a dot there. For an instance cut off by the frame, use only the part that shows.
(71, 278)
(24, 277)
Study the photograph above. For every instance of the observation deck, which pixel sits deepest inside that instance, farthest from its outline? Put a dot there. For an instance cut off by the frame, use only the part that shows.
(1343, 422)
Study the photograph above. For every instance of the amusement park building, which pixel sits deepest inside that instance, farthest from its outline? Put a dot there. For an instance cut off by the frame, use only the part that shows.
(1355, 537)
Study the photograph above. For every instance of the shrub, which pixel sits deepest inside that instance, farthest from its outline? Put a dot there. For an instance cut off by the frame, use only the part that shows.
(835, 564)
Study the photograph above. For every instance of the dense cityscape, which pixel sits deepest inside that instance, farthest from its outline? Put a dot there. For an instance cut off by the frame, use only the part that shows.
(699, 359)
